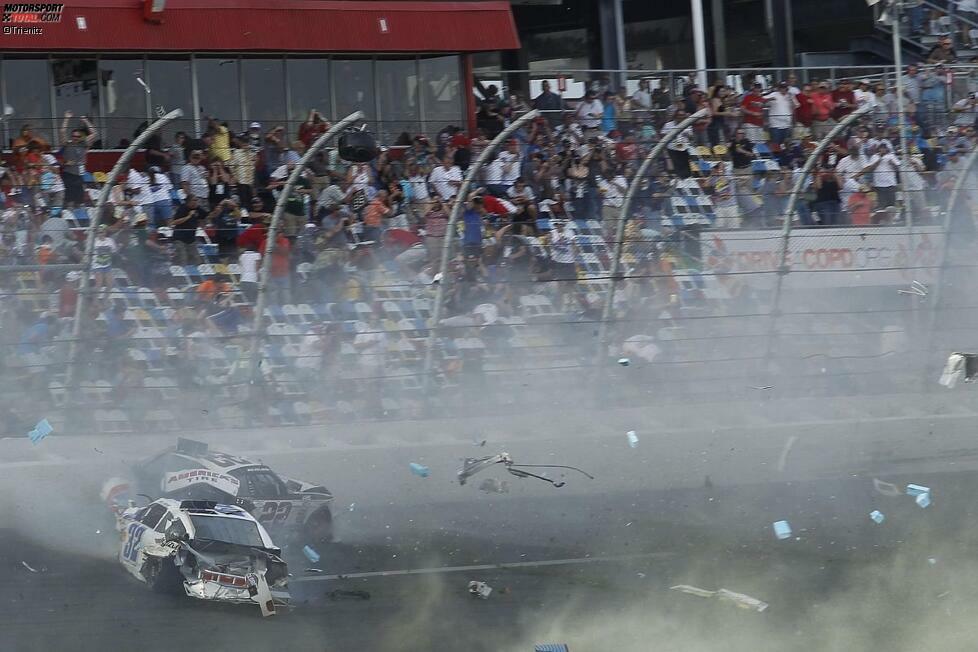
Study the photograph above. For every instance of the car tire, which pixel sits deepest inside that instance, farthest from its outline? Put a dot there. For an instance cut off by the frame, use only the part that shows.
(319, 526)
(162, 576)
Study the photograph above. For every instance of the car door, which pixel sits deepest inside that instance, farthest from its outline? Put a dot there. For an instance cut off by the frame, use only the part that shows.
(274, 506)
(140, 533)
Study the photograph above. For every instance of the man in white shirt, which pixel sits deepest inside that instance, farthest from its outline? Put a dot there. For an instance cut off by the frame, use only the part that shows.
(642, 98)
(781, 113)
(679, 148)
(446, 179)
(884, 166)
(249, 261)
(848, 170)
(589, 111)
(612, 190)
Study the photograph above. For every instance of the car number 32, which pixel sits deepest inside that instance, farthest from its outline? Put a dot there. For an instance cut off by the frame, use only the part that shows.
(133, 537)
(274, 512)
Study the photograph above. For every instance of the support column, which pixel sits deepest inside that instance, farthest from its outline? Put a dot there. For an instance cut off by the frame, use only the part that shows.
(774, 19)
(719, 35)
(611, 26)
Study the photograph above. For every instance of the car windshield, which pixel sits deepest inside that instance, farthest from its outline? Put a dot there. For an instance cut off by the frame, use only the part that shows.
(227, 529)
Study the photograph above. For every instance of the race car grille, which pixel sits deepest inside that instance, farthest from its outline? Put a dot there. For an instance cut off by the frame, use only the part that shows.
(227, 580)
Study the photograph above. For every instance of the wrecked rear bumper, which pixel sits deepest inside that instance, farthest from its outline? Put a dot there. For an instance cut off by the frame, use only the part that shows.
(208, 590)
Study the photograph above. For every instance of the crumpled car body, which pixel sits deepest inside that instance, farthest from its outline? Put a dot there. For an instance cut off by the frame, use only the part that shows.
(286, 506)
(207, 550)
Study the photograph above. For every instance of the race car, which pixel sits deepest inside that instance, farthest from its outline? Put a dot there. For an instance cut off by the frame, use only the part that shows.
(210, 550)
(283, 505)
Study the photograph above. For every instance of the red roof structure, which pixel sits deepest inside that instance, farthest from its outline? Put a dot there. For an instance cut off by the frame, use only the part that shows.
(312, 26)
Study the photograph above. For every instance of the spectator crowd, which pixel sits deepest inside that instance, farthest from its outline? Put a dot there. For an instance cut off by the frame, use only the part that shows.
(186, 227)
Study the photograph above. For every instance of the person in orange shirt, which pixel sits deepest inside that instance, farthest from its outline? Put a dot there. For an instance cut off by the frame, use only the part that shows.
(279, 273)
(860, 207)
(373, 216)
(211, 287)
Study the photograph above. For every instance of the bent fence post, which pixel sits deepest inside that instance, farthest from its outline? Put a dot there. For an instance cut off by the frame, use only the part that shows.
(789, 214)
(626, 206)
(450, 236)
(258, 329)
(121, 165)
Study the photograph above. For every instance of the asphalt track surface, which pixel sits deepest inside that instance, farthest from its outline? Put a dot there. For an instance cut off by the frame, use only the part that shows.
(589, 564)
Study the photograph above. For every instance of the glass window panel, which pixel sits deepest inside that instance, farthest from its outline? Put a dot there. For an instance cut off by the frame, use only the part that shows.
(124, 100)
(76, 89)
(441, 85)
(397, 83)
(171, 88)
(264, 87)
(28, 94)
(354, 88)
(308, 89)
(219, 91)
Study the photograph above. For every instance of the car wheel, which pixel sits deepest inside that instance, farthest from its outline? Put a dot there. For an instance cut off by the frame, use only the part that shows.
(162, 576)
(319, 526)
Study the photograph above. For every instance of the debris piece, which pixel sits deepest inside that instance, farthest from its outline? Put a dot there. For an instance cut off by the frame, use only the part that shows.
(472, 465)
(931, 561)
(97, 450)
(923, 500)
(98, 531)
(624, 362)
(314, 570)
(40, 431)
(762, 387)
(917, 288)
(494, 486)
(943, 595)
(782, 529)
(916, 490)
(886, 488)
(419, 470)
(551, 647)
(959, 365)
(877, 516)
(641, 576)
(632, 438)
(352, 506)
(28, 566)
(480, 589)
(310, 554)
(341, 593)
(739, 599)
(480, 443)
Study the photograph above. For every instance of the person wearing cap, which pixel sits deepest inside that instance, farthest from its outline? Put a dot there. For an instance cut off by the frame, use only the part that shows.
(885, 168)
(863, 94)
(931, 110)
(943, 52)
(781, 111)
(589, 111)
(188, 218)
(74, 154)
(752, 108)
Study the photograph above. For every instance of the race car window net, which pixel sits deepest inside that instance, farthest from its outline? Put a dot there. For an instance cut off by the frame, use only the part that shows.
(152, 515)
(229, 530)
(261, 484)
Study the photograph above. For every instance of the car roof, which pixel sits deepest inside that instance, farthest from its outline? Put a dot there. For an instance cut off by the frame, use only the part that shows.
(214, 460)
(184, 509)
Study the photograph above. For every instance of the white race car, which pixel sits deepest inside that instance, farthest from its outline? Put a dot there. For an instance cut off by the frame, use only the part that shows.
(209, 550)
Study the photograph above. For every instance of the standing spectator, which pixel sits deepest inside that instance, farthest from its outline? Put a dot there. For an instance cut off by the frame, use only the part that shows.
(550, 103)
(931, 110)
(273, 150)
(911, 85)
(805, 111)
(589, 112)
(105, 249)
(160, 207)
(296, 214)
(720, 112)
(860, 207)
(178, 157)
(194, 179)
(822, 107)
(827, 200)
(472, 232)
(435, 227)
(609, 113)
(74, 155)
(678, 149)
(187, 219)
(223, 222)
(885, 166)
(562, 259)
(314, 127)
(741, 153)
(943, 52)
(219, 182)
(373, 217)
(220, 148)
(844, 100)
(279, 272)
(781, 113)
(249, 261)
(446, 179)
(242, 169)
(752, 107)
(642, 98)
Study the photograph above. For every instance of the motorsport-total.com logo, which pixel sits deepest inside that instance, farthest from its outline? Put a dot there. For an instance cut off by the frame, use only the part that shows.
(27, 19)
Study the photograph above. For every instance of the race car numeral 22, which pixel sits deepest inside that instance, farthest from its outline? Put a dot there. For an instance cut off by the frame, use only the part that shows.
(273, 511)
(132, 542)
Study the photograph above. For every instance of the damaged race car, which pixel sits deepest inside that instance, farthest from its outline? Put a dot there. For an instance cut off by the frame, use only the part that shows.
(209, 550)
(285, 506)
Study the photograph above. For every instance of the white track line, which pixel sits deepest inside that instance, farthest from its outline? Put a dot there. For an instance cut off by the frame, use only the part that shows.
(784, 452)
(482, 567)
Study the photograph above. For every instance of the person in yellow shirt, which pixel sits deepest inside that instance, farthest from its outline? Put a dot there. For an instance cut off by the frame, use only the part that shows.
(220, 148)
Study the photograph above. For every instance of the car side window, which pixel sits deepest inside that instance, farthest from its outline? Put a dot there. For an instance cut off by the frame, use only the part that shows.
(262, 483)
(153, 515)
(175, 529)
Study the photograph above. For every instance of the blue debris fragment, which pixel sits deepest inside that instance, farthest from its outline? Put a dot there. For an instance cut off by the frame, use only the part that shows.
(310, 554)
(40, 431)
(419, 470)
(551, 647)
(916, 489)
(782, 530)
(923, 499)
(877, 516)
